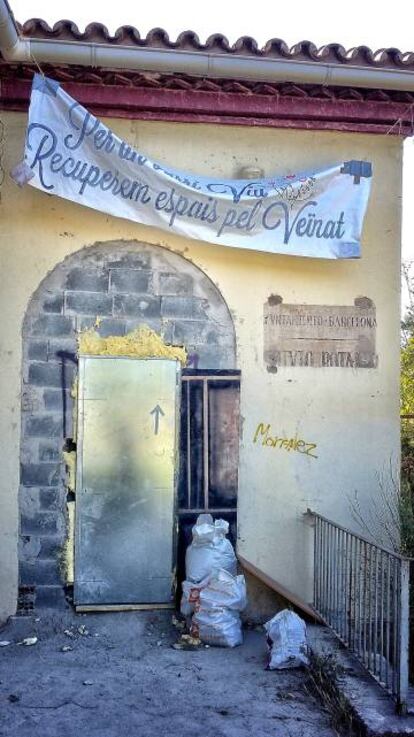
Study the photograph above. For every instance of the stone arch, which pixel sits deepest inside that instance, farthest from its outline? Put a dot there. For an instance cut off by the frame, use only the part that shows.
(125, 284)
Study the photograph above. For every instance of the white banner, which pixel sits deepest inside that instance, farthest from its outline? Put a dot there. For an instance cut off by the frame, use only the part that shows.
(74, 155)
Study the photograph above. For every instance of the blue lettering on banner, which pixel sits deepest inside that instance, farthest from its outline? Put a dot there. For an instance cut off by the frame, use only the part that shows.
(252, 189)
(309, 226)
(74, 155)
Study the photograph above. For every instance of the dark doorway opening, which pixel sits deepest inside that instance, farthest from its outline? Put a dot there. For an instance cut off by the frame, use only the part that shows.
(209, 453)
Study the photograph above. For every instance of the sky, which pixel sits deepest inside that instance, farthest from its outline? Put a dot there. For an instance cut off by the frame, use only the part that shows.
(350, 23)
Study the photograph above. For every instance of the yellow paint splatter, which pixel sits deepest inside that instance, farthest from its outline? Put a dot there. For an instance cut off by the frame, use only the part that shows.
(68, 550)
(140, 343)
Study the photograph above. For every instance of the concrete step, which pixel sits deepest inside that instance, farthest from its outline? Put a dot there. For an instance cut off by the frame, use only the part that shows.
(372, 709)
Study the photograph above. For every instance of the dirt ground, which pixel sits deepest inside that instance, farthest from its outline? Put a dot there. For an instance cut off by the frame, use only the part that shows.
(116, 675)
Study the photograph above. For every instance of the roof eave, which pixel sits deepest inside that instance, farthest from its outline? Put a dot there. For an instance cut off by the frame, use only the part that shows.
(202, 63)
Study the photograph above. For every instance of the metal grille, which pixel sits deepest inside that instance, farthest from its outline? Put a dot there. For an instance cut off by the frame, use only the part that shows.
(209, 441)
(361, 591)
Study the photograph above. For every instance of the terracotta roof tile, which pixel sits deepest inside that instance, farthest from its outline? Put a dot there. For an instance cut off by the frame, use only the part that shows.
(218, 44)
(155, 80)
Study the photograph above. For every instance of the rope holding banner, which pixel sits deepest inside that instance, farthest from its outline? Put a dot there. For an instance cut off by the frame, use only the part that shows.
(34, 60)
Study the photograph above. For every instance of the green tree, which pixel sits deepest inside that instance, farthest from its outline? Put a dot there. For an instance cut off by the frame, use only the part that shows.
(407, 323)
(407, 377)
(407, 399)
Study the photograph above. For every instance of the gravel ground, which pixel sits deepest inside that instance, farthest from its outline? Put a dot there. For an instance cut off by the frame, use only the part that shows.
(116, 675)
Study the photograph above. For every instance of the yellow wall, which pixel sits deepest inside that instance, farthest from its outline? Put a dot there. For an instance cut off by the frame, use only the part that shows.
(352, 415)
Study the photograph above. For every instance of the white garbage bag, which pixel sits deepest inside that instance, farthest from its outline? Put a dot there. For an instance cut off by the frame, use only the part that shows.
(220, 627)
(223, 590)
(286, 639)
(204, 530)
(220, 599)
(191, 596)
(221, 528)
(209, 549)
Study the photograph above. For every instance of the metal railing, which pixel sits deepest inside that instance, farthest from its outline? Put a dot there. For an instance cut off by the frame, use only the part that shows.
(361, 591)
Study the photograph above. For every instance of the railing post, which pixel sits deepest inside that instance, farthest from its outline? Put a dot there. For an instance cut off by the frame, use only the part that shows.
(404, 614)
(375, 601)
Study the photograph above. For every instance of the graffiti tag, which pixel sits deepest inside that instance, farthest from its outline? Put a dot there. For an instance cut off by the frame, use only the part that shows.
(263, 434)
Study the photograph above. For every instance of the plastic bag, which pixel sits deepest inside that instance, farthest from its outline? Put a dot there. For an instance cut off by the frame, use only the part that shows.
(217, 602)
(286, 639)
(223, 590)
(212, 589)
(204, 530)
(221, 528)
(191, 596)
(210, 549)
(220, 627)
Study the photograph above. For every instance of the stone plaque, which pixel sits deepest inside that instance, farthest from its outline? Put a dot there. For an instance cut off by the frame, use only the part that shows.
(320, 336)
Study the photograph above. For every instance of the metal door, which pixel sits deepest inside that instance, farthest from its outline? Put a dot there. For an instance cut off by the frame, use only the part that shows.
(125, 505)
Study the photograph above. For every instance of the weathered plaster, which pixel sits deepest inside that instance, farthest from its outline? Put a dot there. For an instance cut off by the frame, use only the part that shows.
(352, 415)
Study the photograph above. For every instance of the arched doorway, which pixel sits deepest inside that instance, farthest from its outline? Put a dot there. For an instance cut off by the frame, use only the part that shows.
(125, 284)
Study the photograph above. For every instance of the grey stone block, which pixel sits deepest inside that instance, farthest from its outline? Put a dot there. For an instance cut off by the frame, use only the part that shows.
(139, 260)
(141, 322)
(50, 546)
(44, 426)
(133, 305)
(176, 284)
(53, 326)
(45, 374)
(37, 350)
(53, 303)
(63, 351)
(29, 547)
(189, 308)
(211, 357)
(44, 572)
(82, 279)
(85, 323)
(111, 326)
(213, 337)
(56, 399)
(26, 572)
(107, 325)
(50, 597)
(29, 449)
(88, 303)
(41, 523)
(167, 332)
(40, 474)
(50, 451)
(29, 503)
(190, 332)
(131, 280)
(32, 399)
(51, 499)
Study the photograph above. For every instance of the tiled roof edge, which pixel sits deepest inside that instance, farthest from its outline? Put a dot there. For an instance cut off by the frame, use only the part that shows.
(156, 81)
(158, 38)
